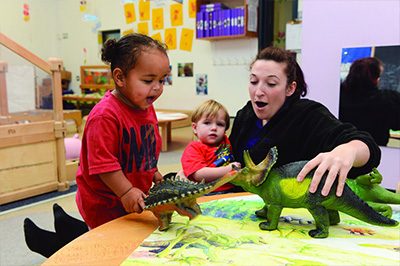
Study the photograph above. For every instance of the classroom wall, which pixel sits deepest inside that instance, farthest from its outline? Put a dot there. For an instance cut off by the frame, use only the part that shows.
(57, 28)
(329, 26)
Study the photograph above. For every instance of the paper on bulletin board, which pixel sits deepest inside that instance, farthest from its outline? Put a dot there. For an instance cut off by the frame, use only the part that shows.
(129, 12)
(157, 37)
(170, 38)
(186, 40)
(126, 32)
(158, 18)
(144, 10)
(143, 28)
(176, 15)
(192, 8)
(293, 36)
(20, 81)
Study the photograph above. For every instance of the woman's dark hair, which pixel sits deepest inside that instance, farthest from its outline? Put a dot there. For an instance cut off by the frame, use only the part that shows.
(124, 53)
(292, 70)
(363, 75)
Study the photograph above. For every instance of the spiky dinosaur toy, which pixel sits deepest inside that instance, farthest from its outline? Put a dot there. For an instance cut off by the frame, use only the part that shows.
(368, 189)
(179, 194)
(279, 188)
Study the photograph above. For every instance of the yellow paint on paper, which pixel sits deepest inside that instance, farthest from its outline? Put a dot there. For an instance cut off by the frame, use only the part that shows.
(99, 38)
(144, 10)
(176, 15)
(192, 8)
(126, 32)
(186, 39)
(157, 37)
(129, 11)
(143, 28)
(158, 18)
(170, 38)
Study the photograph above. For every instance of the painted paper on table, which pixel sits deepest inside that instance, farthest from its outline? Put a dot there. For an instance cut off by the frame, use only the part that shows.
(176, 15)
(186, 39)
(158, 19)
(129, 12)
(170, 38)
(144, 10)
(227, 233)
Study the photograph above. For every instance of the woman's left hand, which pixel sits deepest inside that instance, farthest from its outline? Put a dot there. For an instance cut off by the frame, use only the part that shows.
(337, 163)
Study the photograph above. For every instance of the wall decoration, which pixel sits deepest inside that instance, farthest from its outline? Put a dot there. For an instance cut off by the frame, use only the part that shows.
(186, 40)
(26, 12)
(192, 8)
(144, 10)
(110, 34)
(201, 84)
(129, 12)
(158, 18)
(126, 32)
(92, 18)
(168, 78)
(185, 69)
(176, 15)
(84, 56)
(157, 37)
(143, 28)
(82, 6)
(170, 38)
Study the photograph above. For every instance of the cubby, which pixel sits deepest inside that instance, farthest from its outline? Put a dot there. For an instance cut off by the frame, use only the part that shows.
(249, 19)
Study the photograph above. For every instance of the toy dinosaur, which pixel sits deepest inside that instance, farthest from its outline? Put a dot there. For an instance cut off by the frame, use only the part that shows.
(368, 189)
(279, 188)
(179, 194)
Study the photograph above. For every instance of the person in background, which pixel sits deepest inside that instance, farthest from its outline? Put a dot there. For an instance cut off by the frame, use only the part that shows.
(210, 156)
(301, 129)
(121, 142)
(366, 106)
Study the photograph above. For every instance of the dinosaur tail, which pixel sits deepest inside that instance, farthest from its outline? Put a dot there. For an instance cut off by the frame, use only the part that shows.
(351, 204)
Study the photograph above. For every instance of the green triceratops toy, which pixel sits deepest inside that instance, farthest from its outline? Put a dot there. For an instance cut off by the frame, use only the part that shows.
(279, 188)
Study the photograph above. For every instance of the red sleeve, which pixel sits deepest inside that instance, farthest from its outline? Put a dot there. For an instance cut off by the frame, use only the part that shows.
(102, 144)
(192, 159)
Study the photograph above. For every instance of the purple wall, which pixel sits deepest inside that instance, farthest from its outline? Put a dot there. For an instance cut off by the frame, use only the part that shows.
(330, 25)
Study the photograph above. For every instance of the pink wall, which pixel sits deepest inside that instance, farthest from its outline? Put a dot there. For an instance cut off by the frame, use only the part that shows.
(330, 25)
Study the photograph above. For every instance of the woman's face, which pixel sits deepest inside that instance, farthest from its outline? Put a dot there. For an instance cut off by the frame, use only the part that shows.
(268, 88)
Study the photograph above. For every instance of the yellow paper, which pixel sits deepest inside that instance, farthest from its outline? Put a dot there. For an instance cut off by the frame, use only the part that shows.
(170, 38)
(158, 19)
(143, 28)
(192, 8)
(129, 11)
(126, 32)
(176, 15)
(186, 40)
(144, 10)
(157, 37)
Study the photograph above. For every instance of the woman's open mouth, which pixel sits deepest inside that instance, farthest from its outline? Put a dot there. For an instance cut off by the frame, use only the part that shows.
(260, 104)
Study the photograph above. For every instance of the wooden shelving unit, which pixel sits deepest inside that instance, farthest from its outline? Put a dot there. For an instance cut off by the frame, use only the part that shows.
(95, 78)
(229, 4)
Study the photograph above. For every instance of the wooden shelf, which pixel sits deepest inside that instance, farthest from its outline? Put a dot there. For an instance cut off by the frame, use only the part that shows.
(96, 77)
(230, 4)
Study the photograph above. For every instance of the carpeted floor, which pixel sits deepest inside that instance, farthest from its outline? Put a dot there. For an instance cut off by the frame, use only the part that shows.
(13, 250)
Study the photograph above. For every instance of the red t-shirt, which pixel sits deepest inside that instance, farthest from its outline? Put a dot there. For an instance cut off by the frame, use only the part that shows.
(116, 137)
(198, 155)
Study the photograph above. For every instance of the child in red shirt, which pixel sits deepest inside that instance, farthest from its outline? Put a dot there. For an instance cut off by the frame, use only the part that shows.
(210, 156)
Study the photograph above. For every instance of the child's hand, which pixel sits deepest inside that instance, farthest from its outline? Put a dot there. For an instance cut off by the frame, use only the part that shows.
(235, 165)
(157, 178)
(133, 200)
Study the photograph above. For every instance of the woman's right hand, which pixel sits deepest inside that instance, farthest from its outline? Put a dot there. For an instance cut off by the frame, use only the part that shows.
(133, 200)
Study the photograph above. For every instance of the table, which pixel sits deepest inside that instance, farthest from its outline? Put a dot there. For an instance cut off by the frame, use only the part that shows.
(113, 242)
(164, 122)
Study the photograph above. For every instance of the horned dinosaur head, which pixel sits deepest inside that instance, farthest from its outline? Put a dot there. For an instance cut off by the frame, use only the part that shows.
(254, 175)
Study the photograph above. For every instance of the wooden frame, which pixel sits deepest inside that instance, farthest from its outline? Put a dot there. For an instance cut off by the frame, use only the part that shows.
(33, 154)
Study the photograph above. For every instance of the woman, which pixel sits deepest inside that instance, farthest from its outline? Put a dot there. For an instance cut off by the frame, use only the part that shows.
(366, 106)
(301, 129)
